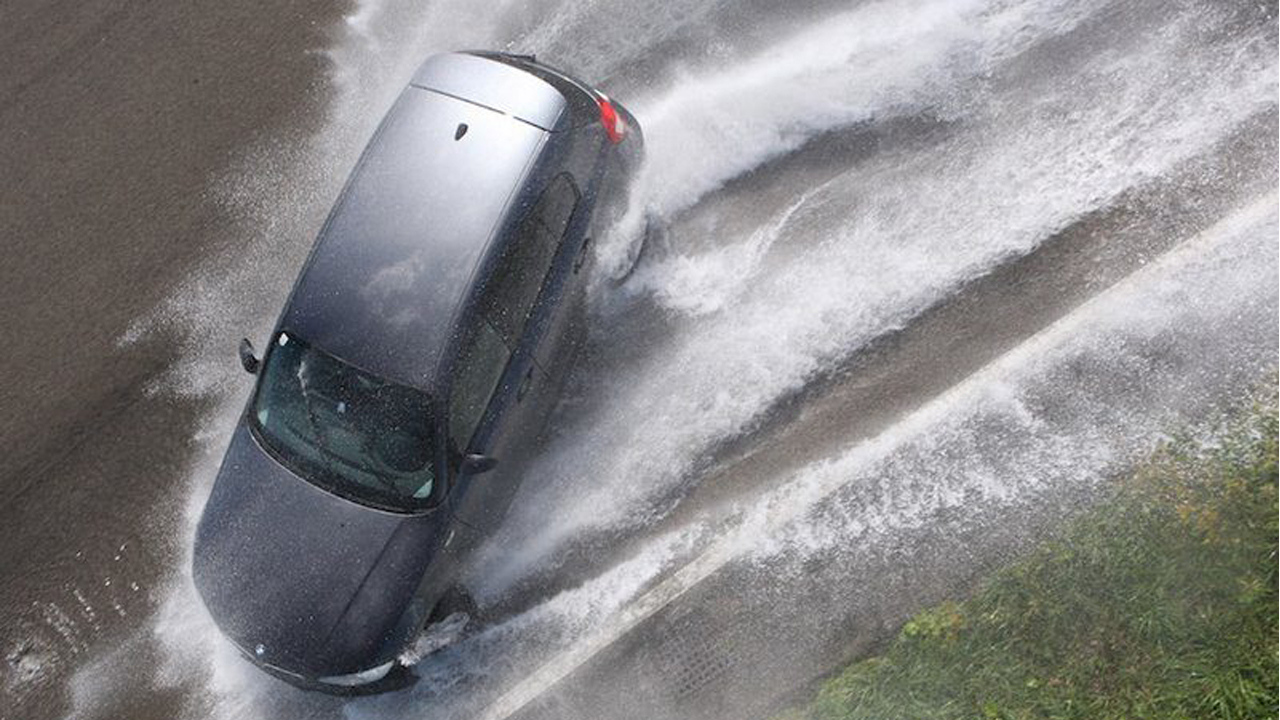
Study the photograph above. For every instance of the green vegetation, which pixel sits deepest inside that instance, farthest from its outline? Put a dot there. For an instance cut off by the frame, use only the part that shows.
(1158, 604)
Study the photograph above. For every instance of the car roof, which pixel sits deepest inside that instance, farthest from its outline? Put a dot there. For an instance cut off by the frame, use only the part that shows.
(399, 250)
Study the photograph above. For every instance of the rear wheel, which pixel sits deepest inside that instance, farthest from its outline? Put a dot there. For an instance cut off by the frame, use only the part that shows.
(654, 243)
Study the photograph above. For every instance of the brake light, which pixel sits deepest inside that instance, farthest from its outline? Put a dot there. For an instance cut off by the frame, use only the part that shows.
(614, 126)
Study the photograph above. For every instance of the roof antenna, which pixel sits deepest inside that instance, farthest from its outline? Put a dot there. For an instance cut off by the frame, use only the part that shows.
(462, 130)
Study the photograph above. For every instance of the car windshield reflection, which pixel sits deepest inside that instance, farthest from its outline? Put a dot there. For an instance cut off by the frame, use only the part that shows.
(346, 430)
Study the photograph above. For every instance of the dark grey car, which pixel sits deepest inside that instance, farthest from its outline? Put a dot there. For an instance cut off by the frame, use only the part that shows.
(413, 368)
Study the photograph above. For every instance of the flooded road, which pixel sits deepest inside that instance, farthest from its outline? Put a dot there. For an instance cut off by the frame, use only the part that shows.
(935, 271)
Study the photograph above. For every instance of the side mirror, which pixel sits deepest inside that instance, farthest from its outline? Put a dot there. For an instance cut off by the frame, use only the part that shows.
(248, 360)
(477, 464)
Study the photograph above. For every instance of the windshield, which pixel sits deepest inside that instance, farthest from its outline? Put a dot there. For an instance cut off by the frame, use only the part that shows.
(351, 432)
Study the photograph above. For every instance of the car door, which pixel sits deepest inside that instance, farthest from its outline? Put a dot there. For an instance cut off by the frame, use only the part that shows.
(497, 401)
(475, 398)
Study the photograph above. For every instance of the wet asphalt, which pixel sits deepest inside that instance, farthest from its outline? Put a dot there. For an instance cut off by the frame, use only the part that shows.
(114, 116)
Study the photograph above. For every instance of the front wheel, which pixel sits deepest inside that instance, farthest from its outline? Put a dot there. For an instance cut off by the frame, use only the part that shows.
(454, 617)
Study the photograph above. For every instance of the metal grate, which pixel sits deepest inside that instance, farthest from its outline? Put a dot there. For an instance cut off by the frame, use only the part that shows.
(694, 650)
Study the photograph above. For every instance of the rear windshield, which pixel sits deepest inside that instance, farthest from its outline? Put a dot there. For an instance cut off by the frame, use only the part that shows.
(346, 430)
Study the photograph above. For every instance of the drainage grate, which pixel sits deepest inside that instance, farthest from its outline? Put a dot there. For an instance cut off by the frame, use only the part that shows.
(693, 650)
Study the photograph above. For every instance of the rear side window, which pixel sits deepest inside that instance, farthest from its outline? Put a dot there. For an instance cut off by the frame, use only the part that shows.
(506, 306)
(557, 206)
(518, 278)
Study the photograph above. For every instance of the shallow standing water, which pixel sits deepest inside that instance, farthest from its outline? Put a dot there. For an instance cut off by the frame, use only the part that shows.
(934, 271)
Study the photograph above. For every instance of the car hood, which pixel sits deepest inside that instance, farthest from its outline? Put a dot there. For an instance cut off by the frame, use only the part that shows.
(315, 582)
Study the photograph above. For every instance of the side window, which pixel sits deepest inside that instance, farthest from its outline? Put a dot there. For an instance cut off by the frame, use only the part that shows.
(517, 280)
(479, 370)
(557, 206)
(506, 305)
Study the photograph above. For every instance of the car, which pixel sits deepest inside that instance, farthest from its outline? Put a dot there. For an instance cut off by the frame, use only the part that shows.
(410, 375)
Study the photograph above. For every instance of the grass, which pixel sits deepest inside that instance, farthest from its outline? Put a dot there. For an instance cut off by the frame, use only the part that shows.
(1160, 603)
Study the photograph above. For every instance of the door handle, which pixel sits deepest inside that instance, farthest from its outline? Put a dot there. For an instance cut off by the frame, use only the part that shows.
(525, 383)
(582, 256)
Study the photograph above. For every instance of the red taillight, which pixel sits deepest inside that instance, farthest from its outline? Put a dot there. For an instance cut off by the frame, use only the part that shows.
(614, 126)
